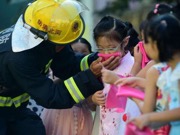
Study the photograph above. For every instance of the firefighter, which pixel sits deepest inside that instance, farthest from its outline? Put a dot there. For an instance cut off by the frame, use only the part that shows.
(37, 41)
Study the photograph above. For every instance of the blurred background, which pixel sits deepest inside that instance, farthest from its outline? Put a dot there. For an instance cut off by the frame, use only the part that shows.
(133, 11)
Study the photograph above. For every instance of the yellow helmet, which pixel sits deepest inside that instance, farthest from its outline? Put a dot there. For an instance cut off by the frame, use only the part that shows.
(60, 19)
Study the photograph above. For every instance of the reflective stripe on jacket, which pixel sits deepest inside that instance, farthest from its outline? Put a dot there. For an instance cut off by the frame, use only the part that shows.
(74, 90)
(17, 101)
(84, 63)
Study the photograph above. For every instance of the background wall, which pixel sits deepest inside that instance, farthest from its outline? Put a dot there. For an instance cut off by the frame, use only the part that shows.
(10, 11)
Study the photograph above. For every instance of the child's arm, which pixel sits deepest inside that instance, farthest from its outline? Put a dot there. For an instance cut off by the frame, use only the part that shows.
(131, 81)
(157, 117)
(108, 76)
(91, 105)
(143, 71)
(139, 103)
(165, 116)
(150, 91)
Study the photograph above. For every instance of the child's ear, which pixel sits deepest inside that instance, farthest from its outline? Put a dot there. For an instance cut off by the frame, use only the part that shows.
(126, 41)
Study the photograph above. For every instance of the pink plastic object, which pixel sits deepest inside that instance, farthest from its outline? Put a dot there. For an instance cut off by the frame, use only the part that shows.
(145, 59)
(112, 101)
(107, 56)
(164, 130)
(130, 92)
(131, 129)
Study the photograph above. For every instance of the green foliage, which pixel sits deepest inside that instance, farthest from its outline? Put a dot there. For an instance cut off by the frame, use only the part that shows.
(167, 1)
(117, 7)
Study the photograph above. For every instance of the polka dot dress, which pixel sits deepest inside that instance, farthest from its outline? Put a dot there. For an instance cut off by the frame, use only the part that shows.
(35, 107)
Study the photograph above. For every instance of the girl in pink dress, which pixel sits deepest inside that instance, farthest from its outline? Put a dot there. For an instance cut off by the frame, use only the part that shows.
(111, 36)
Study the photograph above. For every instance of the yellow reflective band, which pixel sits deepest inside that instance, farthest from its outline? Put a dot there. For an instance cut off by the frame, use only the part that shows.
(84, 63)
(70, 91)
(17, 101)
(74, 90)
(5, 101)
(77, 89)
(48, 65)
(20, 99)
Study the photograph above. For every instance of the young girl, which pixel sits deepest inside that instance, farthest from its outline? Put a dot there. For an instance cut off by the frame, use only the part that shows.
(162, 38)
(159, 9)
(111, 37)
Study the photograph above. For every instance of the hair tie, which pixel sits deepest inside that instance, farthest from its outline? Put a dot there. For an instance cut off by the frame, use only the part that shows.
(156, 6)
(156, 9)
(114, 25)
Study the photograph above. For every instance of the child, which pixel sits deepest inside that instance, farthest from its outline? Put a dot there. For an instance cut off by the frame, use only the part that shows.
(139, 53)
(82, 46)
(162, 41)
(111, 36)
(74, 121)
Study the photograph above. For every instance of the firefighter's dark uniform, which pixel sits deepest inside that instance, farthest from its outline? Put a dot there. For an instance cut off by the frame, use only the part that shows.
(22, 74)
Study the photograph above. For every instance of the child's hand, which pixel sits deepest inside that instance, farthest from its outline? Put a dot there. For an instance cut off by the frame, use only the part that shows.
(131, 81)
(142, 121)
(137, 55)
(98, 98)
(108, 76)
(111, 63)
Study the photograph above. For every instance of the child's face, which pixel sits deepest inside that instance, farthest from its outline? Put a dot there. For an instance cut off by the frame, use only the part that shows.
(151, 49)
(108, 46)
(81, 48)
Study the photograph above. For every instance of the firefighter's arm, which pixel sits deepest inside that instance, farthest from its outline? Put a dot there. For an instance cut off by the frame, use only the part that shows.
(69, 63)
(48, 94)
(65, 63)
(83, 85)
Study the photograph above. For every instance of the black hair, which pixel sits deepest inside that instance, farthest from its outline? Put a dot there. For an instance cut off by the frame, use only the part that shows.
(84, 41)
(159, 9)
(112, 28)
(176, 10)
(165, 30)
(133, 40)
(142, 25)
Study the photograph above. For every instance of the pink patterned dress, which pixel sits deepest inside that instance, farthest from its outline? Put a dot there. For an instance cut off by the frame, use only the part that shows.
(113, 122)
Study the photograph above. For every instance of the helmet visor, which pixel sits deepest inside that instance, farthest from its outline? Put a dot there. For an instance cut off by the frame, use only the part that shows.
(69, 9)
